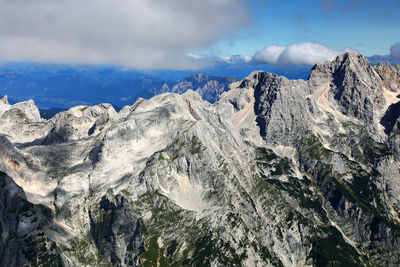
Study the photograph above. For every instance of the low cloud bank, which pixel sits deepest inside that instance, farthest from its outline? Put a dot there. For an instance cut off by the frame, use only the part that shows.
(296, 54)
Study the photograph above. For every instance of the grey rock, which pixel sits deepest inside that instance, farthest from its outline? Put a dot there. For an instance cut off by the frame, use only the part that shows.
(23, 241)
(390, 75)
(276, 172)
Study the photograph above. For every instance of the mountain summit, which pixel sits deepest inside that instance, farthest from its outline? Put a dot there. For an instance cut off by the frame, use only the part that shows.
(277, 172)
(4, 100)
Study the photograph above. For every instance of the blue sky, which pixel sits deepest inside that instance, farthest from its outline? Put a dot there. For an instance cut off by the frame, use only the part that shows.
(192, 34)
(369, 27)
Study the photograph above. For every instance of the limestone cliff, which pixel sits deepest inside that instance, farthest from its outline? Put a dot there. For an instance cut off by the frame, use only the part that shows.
(277, 172)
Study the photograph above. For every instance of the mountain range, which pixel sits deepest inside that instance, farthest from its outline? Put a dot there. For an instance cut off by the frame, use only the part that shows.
(64, 86)
(276, 172)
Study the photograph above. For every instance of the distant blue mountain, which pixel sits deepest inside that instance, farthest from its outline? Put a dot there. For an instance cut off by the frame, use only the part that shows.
(209, 87)
(243, 69)
(63, 86)
(392, 60)
(67, 87)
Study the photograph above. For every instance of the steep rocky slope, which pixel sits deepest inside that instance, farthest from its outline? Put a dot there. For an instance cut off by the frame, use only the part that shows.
(277, 172)
(23, 229)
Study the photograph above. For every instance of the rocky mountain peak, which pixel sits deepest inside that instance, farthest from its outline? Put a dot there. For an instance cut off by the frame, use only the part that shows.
(349, 62)
(21, 121)
(354, 86)
(26, 110)
(4, 100)
(249, 82)
(79, 122)
(352, 57)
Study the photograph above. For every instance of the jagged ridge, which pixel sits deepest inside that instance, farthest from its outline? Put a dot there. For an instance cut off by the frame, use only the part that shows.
(277, 172)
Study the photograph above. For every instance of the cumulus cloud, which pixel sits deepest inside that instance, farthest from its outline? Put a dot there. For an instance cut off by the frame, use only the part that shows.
(295, 54)
(395, 50)
(136, 33)
(269, 55)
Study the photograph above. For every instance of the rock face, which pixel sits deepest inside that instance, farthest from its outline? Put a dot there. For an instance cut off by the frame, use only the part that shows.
(117, 231)
(23, 239)
(277, 172)
(390, 75)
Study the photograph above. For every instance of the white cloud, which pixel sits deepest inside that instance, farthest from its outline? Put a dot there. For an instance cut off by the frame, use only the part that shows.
(212, 60)
(269, 55)
(196, 57)
(236, 59)
(395, 50)
(295, 54)
(136, 33)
